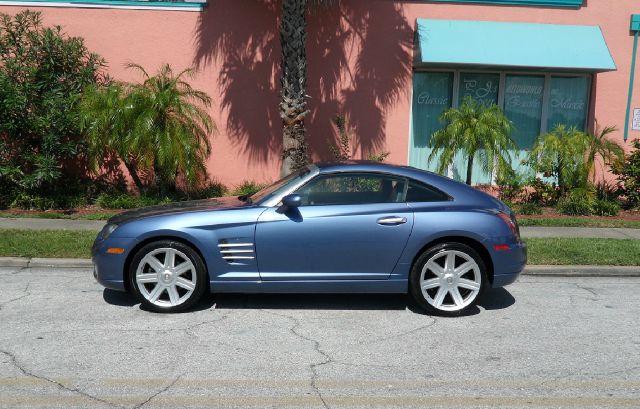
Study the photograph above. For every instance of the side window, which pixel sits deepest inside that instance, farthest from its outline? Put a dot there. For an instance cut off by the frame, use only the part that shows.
(352, 188)
(419, 192)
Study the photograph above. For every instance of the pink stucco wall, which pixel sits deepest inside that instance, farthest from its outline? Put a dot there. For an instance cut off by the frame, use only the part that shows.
(359, 65)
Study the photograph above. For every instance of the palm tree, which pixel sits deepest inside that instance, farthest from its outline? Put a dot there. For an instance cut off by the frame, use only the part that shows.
(599, 145)
(561, 154)
(293, 37)
(293, 78)
(159, 125)
(477, 130)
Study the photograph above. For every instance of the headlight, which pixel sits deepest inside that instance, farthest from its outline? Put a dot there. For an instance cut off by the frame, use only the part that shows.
(107, 230)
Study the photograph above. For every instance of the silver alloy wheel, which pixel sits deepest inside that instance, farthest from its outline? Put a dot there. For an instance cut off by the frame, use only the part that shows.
(450, 280)
(164, 283)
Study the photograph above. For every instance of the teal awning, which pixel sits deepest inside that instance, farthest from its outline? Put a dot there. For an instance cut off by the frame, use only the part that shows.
(534, 46)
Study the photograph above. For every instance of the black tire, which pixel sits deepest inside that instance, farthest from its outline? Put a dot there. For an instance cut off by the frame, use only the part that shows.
(448, 280)
(188, 297)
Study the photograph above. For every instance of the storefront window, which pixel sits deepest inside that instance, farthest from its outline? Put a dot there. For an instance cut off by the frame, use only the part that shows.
(523, 106)
(568, 102)
(431, 97)
(482, 87)
(535, 103)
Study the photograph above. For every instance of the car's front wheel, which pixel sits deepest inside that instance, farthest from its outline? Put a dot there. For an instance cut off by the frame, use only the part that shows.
(167, 276)
(448, 279)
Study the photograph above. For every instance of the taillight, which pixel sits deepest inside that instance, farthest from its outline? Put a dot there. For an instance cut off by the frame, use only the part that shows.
(511, 223)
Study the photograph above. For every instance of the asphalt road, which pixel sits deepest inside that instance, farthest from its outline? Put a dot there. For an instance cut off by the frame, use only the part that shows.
(542, 343)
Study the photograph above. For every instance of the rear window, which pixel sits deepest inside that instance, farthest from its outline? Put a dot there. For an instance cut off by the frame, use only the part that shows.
(419, 192)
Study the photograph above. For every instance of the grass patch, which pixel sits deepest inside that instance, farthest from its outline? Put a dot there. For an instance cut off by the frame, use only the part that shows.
(578, 222)
(567, 251)
(560, 251)
(46, 243)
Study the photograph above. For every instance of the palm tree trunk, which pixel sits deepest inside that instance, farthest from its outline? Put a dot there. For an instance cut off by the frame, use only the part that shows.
(293, 33)
(133, 172)
(469, 168)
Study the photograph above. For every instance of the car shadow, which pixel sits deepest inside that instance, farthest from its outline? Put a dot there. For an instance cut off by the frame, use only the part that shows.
(494, 299)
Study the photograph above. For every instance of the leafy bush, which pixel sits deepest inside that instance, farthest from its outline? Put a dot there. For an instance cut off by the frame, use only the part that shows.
(127, 201)
(33, 201)
(42, 74)
(510, 185)
(211, 189)
(542, 193)
(569, 155)
(529, 208)
(578, 202)
(628, 172)
(247, 188)
(603, 207)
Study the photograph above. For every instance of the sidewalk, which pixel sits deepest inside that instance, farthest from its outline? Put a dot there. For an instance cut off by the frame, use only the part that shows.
(51, 224)
(533, 231)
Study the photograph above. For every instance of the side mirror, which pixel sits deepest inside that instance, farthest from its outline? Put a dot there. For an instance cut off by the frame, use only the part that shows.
(292, 201)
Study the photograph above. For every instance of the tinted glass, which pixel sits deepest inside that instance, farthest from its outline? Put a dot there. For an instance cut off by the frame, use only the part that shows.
(419, 192)
(569, 102)
(431, 97)
(480, 86)
(279, 186)
(523, 106)
(344, 189)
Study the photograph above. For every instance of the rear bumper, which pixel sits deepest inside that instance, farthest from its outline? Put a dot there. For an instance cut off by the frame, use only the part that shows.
(508, 264)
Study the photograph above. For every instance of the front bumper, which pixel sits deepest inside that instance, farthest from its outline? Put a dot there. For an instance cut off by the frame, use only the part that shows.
(109, 269)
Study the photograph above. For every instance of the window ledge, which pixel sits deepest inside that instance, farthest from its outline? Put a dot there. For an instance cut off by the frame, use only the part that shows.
(109, 4)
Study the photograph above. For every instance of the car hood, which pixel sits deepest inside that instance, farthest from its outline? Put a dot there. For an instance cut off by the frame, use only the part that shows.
(217, 203)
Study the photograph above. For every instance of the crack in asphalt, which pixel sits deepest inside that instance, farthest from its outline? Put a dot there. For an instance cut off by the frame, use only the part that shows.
(25, 372)
(189, 330)
(411, 331)
(163, 390)
(327, 359)
(26, 294)
(588, 289)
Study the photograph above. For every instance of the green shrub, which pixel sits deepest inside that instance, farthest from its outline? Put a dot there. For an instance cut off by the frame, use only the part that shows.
(578, 202)
(31, 201)
(603, 207)
(212, 189)
(529, 208)
(510, 185)
(43, 71)
(127, 201)
(628, 173)
(542, 193)
(247, 188)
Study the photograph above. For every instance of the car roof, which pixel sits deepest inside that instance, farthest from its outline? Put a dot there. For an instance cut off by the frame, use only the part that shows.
(374, 166)
(452, 187)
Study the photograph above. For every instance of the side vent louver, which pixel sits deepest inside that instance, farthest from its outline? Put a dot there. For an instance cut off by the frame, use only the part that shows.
(234, 252)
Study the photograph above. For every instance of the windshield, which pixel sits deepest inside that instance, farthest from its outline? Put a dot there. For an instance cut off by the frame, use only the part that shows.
(278, 187)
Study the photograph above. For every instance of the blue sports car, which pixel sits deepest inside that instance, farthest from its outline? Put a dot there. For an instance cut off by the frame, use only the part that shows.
(354, 227)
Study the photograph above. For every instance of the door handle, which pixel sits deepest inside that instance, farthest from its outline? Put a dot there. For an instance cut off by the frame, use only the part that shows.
(392, 220)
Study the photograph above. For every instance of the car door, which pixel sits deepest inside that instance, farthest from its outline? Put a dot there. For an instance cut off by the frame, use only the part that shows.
(350, 226)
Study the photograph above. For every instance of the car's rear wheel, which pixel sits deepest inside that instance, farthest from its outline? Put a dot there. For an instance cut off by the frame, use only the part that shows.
(167, 276)
(448, 279)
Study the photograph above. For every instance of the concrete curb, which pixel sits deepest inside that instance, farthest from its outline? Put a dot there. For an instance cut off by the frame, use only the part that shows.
(26, 262)
(557, 271)
(583, 271)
